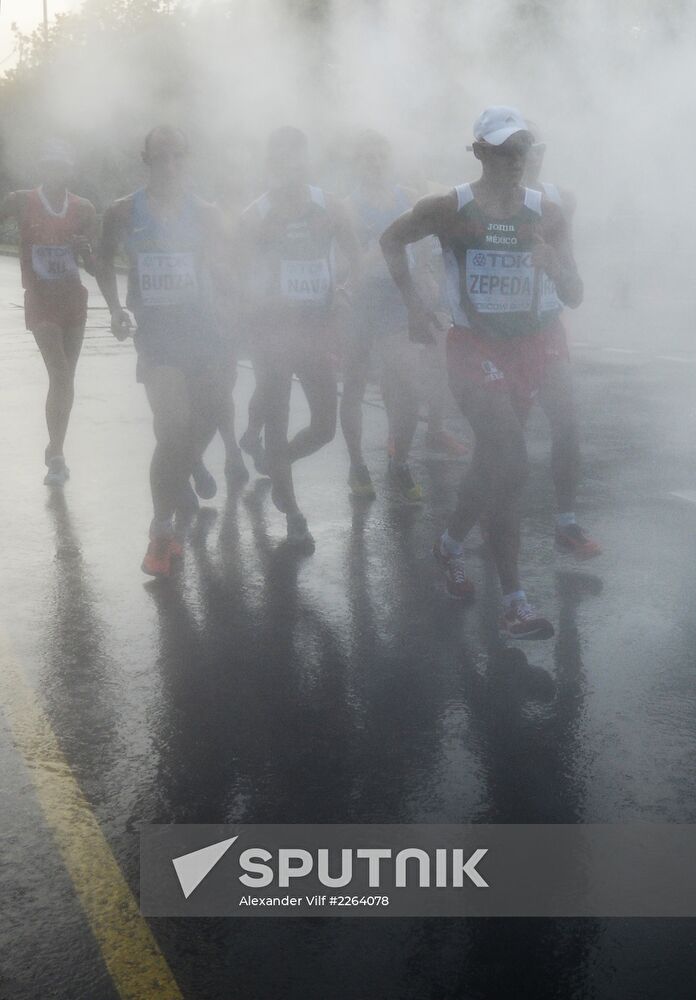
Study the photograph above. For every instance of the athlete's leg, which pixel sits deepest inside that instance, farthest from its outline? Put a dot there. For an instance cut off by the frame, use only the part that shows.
(276, 378)
(226, 420)
(557, 401)
(257, 406)
(208, 392)
(60, 351)
(168, 394)
(317, 374)
(495, 478)
(73, 339)
(434, 372)
(436, 386)
(250, 441)
(356, 368)
(400, 393)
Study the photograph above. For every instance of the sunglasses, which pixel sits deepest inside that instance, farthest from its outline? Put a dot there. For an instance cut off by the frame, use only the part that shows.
(514, 150)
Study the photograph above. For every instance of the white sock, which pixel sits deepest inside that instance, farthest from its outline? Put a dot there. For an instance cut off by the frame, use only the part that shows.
(565, 520)
(450, 546)
(510, 599)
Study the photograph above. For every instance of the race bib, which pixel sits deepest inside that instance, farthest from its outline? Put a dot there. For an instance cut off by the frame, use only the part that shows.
(53, 263)
(499, 281)
(548, 296)
(167, 279)
(305, 280)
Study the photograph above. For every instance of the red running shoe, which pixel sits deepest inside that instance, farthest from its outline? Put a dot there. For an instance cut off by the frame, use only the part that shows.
(522, 621)
(158, 558)
(574, 540)
(447, 443)
(459, 586)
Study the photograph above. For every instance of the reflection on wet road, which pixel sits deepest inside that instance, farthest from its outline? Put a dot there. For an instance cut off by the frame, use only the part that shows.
(344, 687)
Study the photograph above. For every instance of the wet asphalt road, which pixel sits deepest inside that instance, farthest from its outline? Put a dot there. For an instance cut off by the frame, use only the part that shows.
(345, 687)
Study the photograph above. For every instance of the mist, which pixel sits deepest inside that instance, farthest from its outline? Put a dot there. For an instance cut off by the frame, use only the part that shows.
(609, 84)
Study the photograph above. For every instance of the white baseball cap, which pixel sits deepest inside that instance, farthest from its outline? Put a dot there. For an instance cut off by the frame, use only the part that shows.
(498, 123)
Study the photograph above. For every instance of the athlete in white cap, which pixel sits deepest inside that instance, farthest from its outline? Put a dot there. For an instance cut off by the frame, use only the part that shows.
(510, 269)
(56, 230)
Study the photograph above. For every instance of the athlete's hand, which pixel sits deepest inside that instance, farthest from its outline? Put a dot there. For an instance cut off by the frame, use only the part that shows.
(121, 324)
(422, 324)
(81, 246)
(545, 257)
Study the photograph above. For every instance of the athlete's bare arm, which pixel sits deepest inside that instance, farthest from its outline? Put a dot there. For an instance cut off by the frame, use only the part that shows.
(242, 250)
(12, 205)
(554, 253)
(114, 226)
(428, 217)
(346, 239)
(84, 242)
(216, 247)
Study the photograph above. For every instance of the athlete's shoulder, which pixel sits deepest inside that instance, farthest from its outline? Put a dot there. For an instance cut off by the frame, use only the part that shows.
(14, 202)
(117, 217)
(22, 194)
(78, 199)
(122, 206)
(203, 206)
(336, 206)
(257, 209)
(438, 206)
(551, 210)
(553, 220)
(83, 205)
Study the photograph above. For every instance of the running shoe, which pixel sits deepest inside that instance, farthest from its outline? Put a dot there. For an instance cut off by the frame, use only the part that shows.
(204, 481)
(298, 532)
(443, 442)
(251, 444)
(158, 558)
(459, 586)
(360, 482)
(408, 488)
(573, 539)
(522, 621)
(236, 472)
(58, 472)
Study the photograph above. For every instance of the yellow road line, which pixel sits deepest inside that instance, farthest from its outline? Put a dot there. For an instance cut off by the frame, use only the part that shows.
(135, 963)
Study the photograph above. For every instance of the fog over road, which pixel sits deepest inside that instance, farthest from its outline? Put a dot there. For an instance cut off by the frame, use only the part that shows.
(344, 687)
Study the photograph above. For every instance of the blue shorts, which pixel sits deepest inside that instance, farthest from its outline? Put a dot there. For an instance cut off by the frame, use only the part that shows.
(190, 354)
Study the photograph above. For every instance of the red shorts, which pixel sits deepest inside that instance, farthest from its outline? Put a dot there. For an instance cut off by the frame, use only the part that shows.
(68, 311)
(515, 365)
